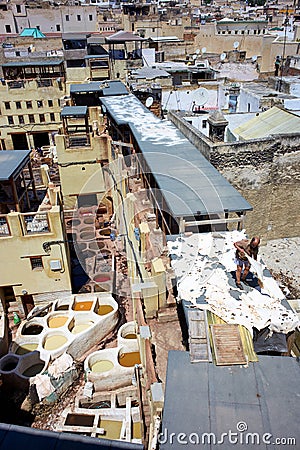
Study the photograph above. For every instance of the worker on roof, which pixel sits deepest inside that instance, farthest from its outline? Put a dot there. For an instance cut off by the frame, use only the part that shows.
(243, 248)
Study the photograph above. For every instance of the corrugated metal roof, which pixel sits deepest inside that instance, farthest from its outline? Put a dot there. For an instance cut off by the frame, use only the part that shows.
(12, 162)
(273, 121)
(261, 398)
(190, 184)
(74, 111)
(36, 62)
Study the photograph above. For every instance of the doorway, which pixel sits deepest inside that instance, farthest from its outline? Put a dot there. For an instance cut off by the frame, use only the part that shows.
(19, 141)
(28, 303)
(40, 139)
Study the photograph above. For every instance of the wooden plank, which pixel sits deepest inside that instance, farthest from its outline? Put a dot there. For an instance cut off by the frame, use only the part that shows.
(227, 344)
(198, 336)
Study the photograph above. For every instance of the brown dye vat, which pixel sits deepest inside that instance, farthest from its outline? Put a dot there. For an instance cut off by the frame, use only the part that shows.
(79, 420)
(89, 220)
(105, 232)
(102, 209)
(100, 244)
(93, 246)
(55, 341)
(104, 309)
(32, 330)
(9, 366)
(129, 359)
(26, 348)
(62, 308)
(83, 306)
(137, 430)
(33, 370)
(112, 429)
(98, 288)
(130, 336)
(101, 278)
(56, 322)
(103, 365)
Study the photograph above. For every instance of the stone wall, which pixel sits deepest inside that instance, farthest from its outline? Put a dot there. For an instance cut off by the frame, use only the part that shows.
(265, 171)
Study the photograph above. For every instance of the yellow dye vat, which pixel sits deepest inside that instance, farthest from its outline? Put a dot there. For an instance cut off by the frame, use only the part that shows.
(81, 327)
(55, 341)
(26, 348)
(112, 429)
(130, 336)
(104, 309)
(101, 366)
(129, 359)
(56, 322)
(83, 306)
(137, 430)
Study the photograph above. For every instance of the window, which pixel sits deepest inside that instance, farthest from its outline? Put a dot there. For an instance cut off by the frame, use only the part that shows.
(57, 27)
(90, 17)
(29, 104)
(50, 103)
(21, 120)
(18, 53)
(7, 105)
(18, 105)
(36, 263)
(67, 18)
(39, 103)
(18, 8)
(52, 117)
(31, 118)
(153, 30)
(8, 28)
(42, 117)
(79, 17)
(204, 123)
(10, 120)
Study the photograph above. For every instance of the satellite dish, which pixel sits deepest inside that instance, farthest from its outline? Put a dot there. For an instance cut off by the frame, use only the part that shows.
(197, 51)
(254, 58)
(236, 44)
(203, 50)
(223, 56)
(200, 96)
(149, 101)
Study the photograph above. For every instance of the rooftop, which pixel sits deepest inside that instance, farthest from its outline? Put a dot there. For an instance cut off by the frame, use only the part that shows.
(12, 162)
(190, 184)
(213, 400)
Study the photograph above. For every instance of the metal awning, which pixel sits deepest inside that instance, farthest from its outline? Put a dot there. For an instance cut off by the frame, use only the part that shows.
(12, 162)
(34, 63)
(74, 111)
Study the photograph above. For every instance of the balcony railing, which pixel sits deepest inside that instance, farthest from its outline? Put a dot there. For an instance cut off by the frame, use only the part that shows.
(36, 223)
(4, 228)
(16, 84)
(44, 83)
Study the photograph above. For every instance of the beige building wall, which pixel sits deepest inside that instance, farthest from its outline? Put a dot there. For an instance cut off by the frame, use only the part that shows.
(19, 248)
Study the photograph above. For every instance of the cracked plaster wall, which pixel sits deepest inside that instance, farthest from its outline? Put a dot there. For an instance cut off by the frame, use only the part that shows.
(265, 171)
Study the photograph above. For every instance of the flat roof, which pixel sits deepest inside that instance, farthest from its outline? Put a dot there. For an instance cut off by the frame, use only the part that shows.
(124, 36)
(260, 398)
(104, 88)
(48, 62)
(75, 36)
(12, 162)
(74, 111)
(190, 184)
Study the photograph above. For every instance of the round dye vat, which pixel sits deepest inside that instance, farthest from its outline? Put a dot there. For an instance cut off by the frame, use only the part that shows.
(102, 209)
(104, 309)
(93, 246)
(81, 327)
(101, 278)
(88, 254)
(33, 370)
(130, 336)
(89, 220)
(56, 322)
(87, 235)
(32, 330)
(100, 244)
(83, 306)
(129, 359)
(9, 365)
(101, 366)
(105, 232)
(26, 348)
(55, 341)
